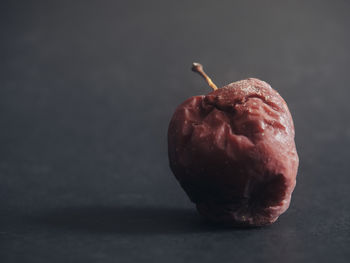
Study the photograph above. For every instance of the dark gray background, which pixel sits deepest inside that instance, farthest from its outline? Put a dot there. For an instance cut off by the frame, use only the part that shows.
(86, 93)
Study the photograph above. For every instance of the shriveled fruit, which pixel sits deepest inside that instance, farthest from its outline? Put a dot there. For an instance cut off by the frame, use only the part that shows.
(234, 154)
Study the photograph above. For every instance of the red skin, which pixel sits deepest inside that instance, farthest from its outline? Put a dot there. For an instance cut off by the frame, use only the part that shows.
(233, 152)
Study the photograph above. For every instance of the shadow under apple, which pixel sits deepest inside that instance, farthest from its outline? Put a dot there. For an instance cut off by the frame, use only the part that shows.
(127, 220)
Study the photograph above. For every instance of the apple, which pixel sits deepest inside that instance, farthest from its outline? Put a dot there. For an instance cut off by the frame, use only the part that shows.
(233, 152)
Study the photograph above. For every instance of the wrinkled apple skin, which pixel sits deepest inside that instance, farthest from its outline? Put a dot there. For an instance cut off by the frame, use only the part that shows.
(234, 154)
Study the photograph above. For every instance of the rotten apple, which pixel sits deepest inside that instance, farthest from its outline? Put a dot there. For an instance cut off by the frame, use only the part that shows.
(233, 152)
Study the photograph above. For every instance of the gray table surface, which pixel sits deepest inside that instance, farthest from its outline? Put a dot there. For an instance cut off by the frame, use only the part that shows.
(87, 89)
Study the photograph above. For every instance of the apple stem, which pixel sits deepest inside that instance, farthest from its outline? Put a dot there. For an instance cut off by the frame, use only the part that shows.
(196, 67)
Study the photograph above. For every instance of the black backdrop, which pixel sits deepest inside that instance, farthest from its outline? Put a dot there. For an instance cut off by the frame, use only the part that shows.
(87, 89)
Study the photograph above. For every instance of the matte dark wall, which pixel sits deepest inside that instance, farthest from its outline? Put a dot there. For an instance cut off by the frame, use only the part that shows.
(87, 89)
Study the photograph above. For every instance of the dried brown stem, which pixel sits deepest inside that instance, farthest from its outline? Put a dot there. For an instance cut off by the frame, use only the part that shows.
(196, 67)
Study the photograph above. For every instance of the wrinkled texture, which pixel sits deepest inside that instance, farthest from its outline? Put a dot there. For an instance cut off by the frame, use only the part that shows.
(233, 152)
